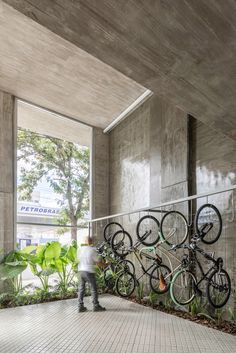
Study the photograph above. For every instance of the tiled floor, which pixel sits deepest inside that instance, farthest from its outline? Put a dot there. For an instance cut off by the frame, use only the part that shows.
(125, 327)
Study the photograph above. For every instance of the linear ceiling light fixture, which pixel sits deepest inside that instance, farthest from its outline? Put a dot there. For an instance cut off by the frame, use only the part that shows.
(140, 100)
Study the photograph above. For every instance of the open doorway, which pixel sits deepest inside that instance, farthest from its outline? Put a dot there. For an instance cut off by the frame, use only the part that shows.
(53, 167)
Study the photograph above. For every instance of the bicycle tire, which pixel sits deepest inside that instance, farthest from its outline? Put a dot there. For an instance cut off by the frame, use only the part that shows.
(186, 286)
(109, 280)
(169, 220)
(125, 265)
(141, 236)
(125, 284)
(107, 235)
(156, 288)
(121, 242)
(213, 235)
(209, 295)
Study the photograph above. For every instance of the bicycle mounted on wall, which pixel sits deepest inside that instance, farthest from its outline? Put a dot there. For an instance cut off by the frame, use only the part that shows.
(173, 231)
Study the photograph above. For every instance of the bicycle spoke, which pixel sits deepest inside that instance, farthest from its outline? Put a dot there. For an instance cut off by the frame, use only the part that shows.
(182, 287)
(174, 228)
(148, 230)
(219, 288)
(125, 284)
(208, 223)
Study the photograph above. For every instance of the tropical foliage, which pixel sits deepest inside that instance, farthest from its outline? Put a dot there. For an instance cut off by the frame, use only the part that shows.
(43, 261)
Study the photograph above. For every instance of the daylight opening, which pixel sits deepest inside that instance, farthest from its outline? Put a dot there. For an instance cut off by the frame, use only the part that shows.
(53, 167)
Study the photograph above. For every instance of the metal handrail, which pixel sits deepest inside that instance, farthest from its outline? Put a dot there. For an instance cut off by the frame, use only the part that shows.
(152, 208)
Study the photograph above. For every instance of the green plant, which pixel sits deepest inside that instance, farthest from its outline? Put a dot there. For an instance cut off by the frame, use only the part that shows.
(100, 279)
(5, 299)
(41, 260)
(206, 315)
(232, 311)
(168, 303)
(140, 291)
(219, 314)
(197, 307)
(231, 314)
(153, 298)
(11, 269)
(66, 266)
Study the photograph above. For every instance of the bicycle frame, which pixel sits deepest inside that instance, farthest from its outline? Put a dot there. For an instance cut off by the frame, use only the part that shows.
(145, 270)
(204, 275)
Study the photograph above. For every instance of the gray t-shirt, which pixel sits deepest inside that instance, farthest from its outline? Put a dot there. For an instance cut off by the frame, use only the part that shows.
(88, 258)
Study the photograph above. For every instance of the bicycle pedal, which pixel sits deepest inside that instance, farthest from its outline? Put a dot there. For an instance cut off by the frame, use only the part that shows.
(198, 291)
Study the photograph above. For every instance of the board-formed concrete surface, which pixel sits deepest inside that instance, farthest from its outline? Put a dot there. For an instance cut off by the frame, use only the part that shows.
(184, 51)
(125, 327)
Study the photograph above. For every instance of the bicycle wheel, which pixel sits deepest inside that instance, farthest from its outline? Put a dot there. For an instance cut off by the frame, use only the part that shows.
(147, 230)
(160, 279)
(182, 287)
(110, 229)
(174, 228)
(121, 242)
(109, 279)
(124, 266)
(125, 284)
(208, 215)
(218, 288)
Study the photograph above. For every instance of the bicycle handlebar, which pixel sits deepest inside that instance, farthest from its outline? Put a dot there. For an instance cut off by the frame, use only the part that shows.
(181, 246)
(196, 238)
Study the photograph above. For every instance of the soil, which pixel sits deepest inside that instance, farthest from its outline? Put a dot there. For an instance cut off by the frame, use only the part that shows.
(222, 325)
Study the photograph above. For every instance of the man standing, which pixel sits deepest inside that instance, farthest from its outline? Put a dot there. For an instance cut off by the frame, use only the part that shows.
(88, 258)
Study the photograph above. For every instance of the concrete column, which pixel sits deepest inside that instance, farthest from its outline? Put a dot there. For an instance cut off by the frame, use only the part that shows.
(99, 179)
(7, 174)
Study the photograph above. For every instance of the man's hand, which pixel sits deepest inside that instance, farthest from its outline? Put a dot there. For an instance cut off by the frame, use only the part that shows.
(102, 264)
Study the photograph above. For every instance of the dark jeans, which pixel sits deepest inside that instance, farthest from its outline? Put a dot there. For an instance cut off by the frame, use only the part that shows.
(90, 278)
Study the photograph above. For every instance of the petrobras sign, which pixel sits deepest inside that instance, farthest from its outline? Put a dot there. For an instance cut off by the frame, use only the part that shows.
(38, 210)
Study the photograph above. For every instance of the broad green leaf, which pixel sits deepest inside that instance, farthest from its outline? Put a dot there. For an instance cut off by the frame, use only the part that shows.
(28, 249)
(33, 269)
(7, 272)
(53, 251)
(16, 263)
(72, 254)
(59, 265)
(12, 256)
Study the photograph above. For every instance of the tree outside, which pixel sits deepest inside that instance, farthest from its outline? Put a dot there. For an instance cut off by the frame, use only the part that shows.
(65, 167)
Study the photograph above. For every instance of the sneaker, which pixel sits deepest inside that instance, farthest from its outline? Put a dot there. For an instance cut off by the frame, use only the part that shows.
(99, 308)
(82, 309)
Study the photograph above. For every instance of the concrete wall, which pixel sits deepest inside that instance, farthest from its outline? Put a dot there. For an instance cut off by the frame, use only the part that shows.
(130, 161)
(148, 157)
(148, 162)
(214, 159)
(160, 154)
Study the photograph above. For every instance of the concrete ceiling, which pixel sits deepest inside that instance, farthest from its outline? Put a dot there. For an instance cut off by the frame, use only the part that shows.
(47, 123)
(183, 50)
(41, 67)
